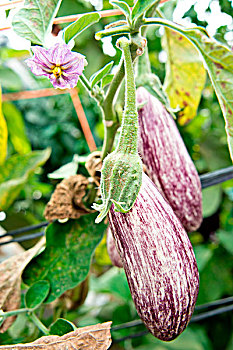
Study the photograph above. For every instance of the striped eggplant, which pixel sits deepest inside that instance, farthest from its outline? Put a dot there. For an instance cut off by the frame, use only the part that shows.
(167, 160)
(112, 250)
(159, 262)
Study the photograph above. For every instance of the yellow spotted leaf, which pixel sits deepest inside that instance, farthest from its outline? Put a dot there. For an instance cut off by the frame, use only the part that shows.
(185, 75)
(3, 134)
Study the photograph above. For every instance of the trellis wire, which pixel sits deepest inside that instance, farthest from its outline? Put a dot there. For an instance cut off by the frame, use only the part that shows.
(207, 180)
(219, 302)
(194, 319)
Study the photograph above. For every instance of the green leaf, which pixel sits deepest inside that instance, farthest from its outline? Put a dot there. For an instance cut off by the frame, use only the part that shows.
(80, 25)
(9, 79)
(61, 326)
(114, 282)
(226, 240)
(15, 172)
(217, 274)
(65, 262)
(16, 128)
(185, 75)
(36, 294)
(203, 254)
(95, 78)
(123, 7)
(141, 6)
(3, 133)
(211, 200)
(107, 80)
(219, 64)
(35, 19)
(6, 53)
(66, 170)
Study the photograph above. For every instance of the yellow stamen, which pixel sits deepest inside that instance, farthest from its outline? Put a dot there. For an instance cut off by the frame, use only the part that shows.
(57, 71)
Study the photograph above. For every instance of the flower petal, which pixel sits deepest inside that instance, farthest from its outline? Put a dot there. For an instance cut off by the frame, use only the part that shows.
(36, 68)
(41, 56)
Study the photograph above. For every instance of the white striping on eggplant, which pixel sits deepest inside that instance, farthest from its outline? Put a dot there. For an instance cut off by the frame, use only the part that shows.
(167, 160)
(112, 250)
(159, 262)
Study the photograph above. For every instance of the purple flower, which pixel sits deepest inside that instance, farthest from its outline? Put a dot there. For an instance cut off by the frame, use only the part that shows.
(58, 63)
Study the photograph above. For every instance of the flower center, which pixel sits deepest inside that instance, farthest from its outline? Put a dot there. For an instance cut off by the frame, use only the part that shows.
(57, 71)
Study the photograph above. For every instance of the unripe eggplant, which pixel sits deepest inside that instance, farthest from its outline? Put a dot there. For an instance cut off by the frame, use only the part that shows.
(112, 250)
(159, 262)
(167, 160)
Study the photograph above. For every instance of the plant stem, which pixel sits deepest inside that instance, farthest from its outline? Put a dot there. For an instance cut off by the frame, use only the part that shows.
(169, 24)
(39, 324)
(112, 31)
(89, 88)
(129, 133)
(13, 313)
(110, 119)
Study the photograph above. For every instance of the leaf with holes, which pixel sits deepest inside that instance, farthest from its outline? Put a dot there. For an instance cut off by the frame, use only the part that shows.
(16, 128)
(80, 25)
(95, 78)
(35, 19)
(91, 337)
(15, 173)
(36, 294)
(3, 133)
(185, 75)
(66, 260)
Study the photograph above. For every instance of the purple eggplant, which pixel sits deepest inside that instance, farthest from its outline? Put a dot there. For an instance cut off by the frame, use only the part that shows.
(159, 262)
(167, 160)
(112, 250)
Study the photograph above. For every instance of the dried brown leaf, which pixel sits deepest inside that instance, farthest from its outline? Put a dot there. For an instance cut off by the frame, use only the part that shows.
(66, 201)
(96, 337)
(10, 280)
(94, 165)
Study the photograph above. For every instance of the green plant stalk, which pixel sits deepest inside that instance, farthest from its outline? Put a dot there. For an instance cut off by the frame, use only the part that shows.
(128, 142)
(38, 323)
(112, 31)
(121, 175)
(110, 119)
(169, 24)
(90, 90)
(4, 315)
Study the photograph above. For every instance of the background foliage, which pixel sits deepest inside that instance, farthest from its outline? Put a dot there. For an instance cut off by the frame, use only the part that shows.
(52, 123)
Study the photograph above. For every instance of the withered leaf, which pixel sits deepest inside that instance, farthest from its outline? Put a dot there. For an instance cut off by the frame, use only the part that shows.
(66, 201)
(96, 337)
(10, 281)
(94, 165)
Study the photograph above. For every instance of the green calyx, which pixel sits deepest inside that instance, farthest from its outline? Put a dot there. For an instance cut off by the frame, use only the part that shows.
(121, 174)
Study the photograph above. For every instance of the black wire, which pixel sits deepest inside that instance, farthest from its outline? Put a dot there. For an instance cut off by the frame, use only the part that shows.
(24, 238)
(207, 180)
(24, 229)
(211, 313)
(197, 308)
(194, 319)
(214, 303)
(216, 177)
